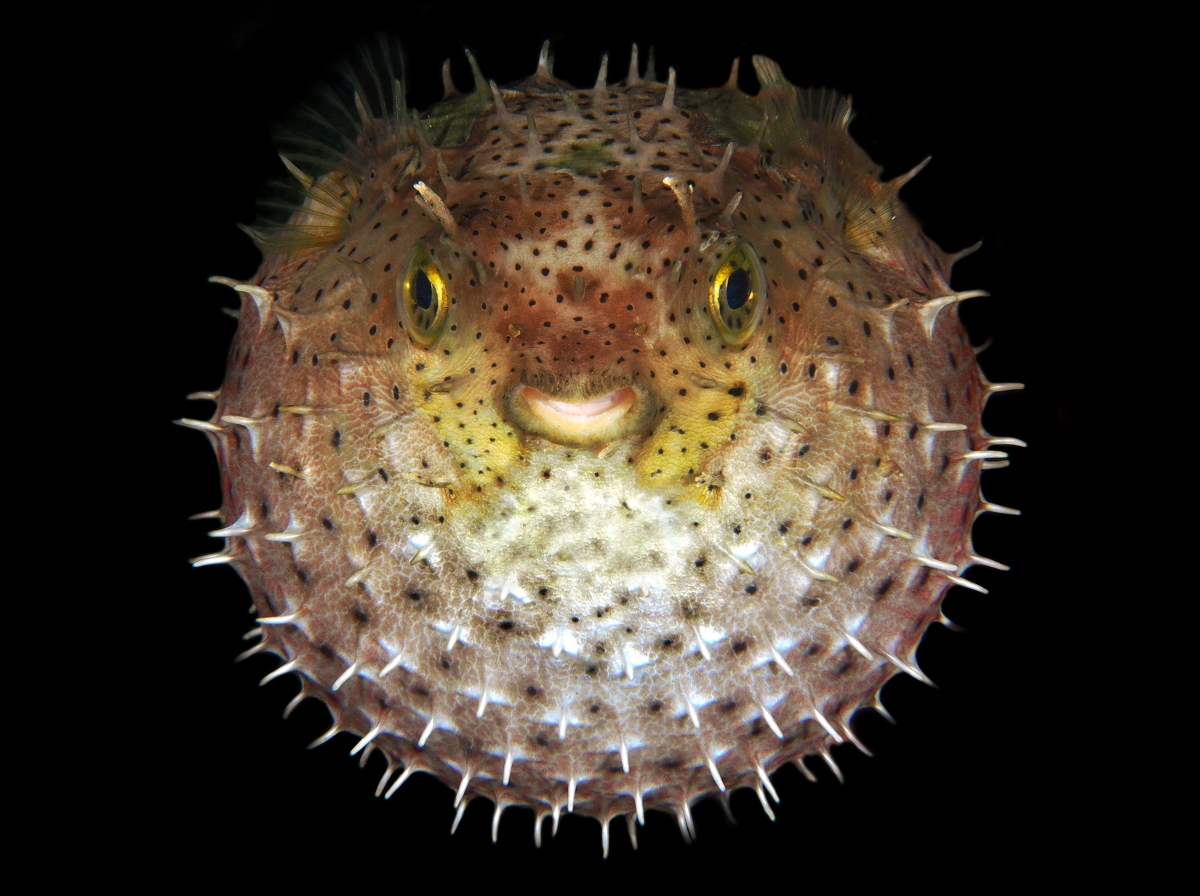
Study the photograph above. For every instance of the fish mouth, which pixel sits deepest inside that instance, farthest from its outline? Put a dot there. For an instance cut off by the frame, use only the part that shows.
(595, 420)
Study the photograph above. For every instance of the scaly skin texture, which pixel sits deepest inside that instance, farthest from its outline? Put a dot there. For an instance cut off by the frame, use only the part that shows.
(675, 606)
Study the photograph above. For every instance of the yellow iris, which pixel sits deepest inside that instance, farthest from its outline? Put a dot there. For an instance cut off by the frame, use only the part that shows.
(424, 299)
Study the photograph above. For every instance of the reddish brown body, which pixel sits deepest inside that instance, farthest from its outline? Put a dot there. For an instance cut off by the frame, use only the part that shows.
(618, 614)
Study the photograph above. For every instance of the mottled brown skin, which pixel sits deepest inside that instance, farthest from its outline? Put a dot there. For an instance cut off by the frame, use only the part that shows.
(412, 499)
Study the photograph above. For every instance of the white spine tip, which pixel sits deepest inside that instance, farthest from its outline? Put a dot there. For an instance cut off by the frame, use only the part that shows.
(428, 731)
(462, 788)
(766, 780)
(367, 738)
(716, 775)
(762, 798)
(967, 583)
(405, 775)
(500, 807)
(282, 670)
(462, 807)
(350, 672)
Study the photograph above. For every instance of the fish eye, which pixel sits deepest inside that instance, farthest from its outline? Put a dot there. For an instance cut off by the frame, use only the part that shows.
(736, 296)
(423, 299)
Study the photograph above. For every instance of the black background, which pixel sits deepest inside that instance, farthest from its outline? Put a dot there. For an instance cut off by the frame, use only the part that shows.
(978, 778)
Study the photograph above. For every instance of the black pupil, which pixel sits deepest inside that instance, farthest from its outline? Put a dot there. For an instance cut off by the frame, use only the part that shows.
(422, 291)
(737, 289)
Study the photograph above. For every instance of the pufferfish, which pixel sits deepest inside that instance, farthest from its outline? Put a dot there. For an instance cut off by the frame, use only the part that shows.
(600, 449)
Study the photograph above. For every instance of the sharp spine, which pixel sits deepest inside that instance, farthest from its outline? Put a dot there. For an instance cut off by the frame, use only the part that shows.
(770, 720)
(860, 647)
(350, 672)
(781, 662)
(286, 619)
(404, 776)
(500, 807)
(930, 310)
(712, 768)
(462, 807)
(242, 525)
(287, 667)
(935, 564)
(601, 84)
(202, 425)
(804, 769)
(367, 738)
(427, 731)
(824, 723)
(967, 583)
(833, 766)
(468, 774)
(333, 731)
(762, 798)
(683, 195)
(718, 173)
(976, 560)
(766, 780)
(211, 559)
(436, 207)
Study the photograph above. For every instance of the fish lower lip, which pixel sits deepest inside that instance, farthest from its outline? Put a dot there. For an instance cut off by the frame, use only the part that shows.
(580, 417)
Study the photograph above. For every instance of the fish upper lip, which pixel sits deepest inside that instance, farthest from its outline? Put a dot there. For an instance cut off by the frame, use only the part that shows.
(580, 418)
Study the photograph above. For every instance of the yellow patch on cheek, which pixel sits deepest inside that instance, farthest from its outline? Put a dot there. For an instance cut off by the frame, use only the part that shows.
(685, 442)
(483, 444)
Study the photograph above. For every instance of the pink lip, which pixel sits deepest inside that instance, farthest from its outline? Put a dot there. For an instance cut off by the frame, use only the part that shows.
(580, 417)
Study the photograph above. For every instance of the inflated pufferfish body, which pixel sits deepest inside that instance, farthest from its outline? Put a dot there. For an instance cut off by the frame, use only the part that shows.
(599, 449)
